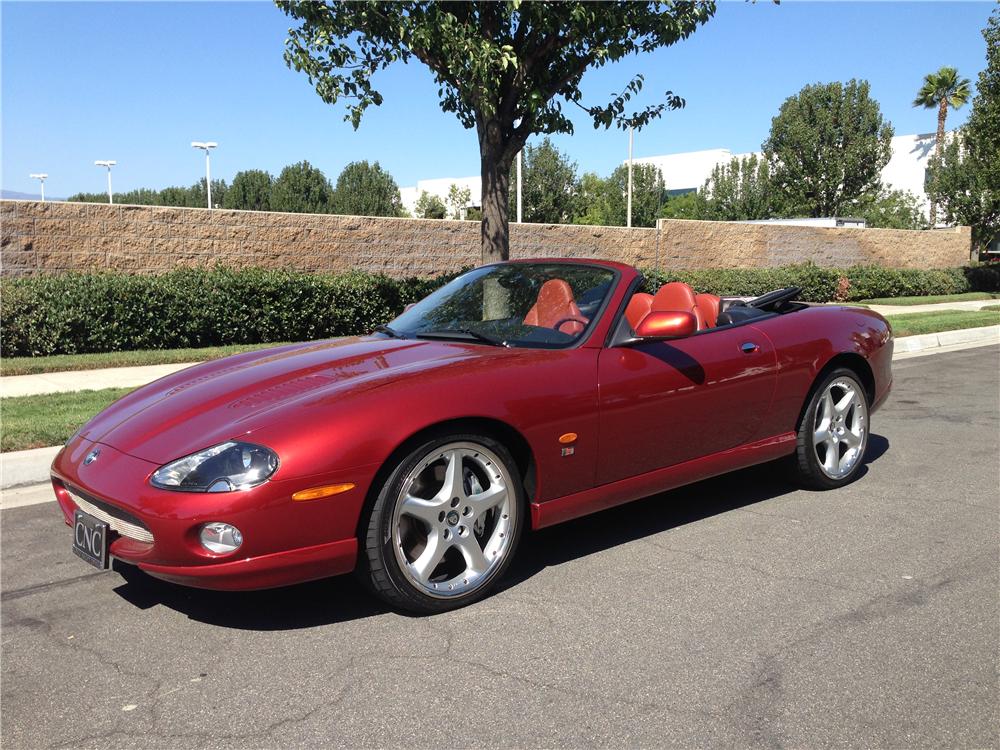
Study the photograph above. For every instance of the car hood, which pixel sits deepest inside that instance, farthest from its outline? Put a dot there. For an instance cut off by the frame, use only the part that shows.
(221, 400)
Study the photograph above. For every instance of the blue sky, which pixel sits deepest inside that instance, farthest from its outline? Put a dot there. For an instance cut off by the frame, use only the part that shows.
(137, 82)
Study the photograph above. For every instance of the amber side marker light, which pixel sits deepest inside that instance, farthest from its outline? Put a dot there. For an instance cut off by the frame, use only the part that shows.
(315, 493)
(569, 437)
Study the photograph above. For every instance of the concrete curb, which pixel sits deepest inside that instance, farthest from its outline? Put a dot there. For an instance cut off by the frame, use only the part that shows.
(23, 468)
(20, 468)
(909, 344)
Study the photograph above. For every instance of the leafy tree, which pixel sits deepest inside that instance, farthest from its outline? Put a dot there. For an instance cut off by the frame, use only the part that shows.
(590, 199)
(740, 191)
(604, 202)
(429, 206)
(458, 199)
(365, 189)
(88, 198)
(140, 197)
(504, 68)
(648, 194)
(827, 147)
(197, 197)
(965, 178)
(250, 191)
(892, 209)
(301, 188)
(941, 90)
(549, 185)
(684, 206)
(174, 196)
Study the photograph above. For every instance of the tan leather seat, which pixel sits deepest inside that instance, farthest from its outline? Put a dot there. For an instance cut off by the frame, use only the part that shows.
(554, 306)
(677, 295)
(637, 308)
(708, 304)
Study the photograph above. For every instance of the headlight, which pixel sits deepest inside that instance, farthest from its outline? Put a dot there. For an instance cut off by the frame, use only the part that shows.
(221, 468)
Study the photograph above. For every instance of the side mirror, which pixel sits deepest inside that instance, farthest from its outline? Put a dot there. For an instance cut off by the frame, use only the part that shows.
(666, 324)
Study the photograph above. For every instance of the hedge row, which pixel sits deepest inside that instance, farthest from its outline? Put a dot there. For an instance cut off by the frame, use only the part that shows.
(835, 285)
(80, 313)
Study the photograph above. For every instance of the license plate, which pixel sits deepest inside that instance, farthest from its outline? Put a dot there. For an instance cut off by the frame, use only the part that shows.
(90, 540)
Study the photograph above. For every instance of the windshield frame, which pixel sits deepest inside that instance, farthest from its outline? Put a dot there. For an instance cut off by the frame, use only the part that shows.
(580, 340)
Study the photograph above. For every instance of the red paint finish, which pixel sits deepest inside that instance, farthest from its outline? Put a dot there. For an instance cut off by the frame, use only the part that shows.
(647, 416)
(665, 324)
(633, 488)
(666, 402)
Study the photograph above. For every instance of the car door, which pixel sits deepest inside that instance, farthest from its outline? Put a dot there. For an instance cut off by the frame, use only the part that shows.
(666, 402)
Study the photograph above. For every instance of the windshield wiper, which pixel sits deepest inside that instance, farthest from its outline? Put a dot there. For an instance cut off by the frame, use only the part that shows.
(389, 331)
(460, 334)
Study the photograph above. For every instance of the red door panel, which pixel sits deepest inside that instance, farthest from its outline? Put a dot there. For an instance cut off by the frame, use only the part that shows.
(667, 402)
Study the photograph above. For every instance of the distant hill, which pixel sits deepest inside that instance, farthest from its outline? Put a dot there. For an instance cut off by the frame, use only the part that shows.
(13, 195)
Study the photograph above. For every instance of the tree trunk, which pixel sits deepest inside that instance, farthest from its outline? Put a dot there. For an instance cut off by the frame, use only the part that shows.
(496, 211)
(942, 116)
(495, 161)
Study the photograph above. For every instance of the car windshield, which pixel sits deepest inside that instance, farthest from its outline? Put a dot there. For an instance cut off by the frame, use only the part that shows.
(548, 305)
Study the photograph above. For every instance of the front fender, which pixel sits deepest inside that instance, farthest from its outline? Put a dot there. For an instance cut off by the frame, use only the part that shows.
(541, 394)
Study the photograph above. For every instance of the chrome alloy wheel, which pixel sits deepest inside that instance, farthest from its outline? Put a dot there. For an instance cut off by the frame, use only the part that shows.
(453, 520)
(840, 434)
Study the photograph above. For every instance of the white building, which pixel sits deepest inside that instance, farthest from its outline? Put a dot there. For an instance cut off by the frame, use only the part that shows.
(906, 170)
(440, 187)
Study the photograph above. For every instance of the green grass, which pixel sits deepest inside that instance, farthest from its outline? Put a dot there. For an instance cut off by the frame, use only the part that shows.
(914, 324)
(932, 299)
(990, 307)
(39, 421)
(63, 362)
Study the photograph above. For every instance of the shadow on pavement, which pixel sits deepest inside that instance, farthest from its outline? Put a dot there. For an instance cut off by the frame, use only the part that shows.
(343, 598)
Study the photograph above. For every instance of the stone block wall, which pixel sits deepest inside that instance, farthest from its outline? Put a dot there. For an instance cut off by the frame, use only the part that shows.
(55, 237)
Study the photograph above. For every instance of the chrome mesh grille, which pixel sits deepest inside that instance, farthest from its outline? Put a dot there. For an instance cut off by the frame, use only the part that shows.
(113, 518)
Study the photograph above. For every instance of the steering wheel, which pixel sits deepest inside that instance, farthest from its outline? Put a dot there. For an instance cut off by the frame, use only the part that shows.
(570, 319)
(773, 298)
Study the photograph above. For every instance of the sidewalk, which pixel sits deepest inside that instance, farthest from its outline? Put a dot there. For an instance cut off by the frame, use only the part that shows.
(85, 380)
(904, 309)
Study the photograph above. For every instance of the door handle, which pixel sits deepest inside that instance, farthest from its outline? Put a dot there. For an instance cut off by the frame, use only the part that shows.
(749, 347)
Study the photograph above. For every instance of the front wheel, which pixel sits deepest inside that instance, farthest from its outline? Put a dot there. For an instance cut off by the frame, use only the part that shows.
(833, 435)
(445, 524)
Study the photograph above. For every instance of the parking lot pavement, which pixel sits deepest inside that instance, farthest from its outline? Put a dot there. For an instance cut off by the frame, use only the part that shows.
(735, 612)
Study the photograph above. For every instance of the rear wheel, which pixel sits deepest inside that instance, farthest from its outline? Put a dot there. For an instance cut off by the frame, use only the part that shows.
(833, 435)
(445, 524)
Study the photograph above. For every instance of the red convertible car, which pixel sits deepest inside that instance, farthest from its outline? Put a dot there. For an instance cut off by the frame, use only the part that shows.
(520, 394)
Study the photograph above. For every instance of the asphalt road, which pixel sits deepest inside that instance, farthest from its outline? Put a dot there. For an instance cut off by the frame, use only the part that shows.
(736, 612)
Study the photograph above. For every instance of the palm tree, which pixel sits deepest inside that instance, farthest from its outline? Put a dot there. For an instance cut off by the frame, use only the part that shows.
(942, 90)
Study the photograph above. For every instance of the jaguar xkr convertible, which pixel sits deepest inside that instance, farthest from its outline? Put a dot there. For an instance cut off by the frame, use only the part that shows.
(517, 396)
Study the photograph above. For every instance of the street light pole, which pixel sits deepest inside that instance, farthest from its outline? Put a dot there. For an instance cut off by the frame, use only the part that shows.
(206, 146)
(40, 176)
(519, 212)
(107, 163)
(628, 220)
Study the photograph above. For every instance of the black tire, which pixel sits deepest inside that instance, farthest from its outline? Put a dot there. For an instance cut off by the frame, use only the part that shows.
(379, 567)
(809, 470)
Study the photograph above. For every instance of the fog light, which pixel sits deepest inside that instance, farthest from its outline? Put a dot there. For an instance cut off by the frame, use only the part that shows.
(220, 537)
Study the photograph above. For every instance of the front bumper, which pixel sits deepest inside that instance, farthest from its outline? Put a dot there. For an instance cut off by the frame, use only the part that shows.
(285, 542)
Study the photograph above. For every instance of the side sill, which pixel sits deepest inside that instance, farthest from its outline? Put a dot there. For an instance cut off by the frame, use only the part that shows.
(605, 496)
